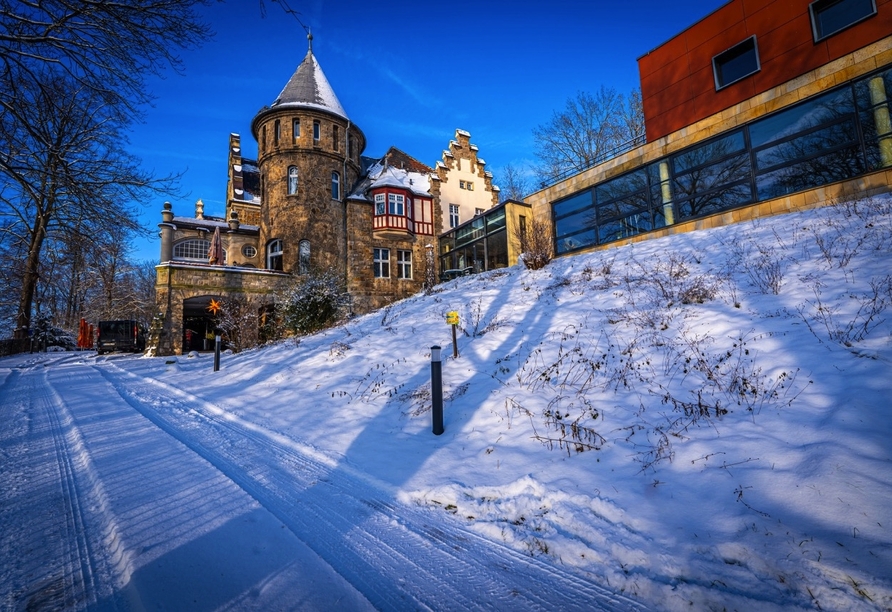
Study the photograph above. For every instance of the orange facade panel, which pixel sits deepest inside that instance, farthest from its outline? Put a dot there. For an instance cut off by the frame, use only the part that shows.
(677, 80)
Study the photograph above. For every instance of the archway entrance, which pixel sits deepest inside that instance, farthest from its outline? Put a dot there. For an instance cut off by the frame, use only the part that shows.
(198, 323)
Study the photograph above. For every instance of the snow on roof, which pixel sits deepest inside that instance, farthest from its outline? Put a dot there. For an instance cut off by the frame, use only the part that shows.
(381, 175)
(389, 176)
(461, 132)
(308, 88)
(209, 223)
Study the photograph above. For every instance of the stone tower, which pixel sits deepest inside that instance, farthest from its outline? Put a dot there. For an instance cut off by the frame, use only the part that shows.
(308, 155)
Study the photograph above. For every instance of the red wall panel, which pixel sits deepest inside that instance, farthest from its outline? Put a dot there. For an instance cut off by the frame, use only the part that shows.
(677, 84)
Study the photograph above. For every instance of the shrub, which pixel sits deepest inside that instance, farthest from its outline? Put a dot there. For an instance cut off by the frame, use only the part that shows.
(535, 244)
(315, 301)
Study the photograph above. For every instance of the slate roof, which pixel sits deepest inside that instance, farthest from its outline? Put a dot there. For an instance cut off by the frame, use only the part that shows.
(308, 88)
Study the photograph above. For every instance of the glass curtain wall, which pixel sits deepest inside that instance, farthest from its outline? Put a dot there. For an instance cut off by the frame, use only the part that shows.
(478, 245)
(834, 136)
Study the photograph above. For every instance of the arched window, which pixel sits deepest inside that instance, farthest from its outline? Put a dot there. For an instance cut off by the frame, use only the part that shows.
(335, 186)
(194, 249)
(303, 257)
(292, 180)
(274, 255)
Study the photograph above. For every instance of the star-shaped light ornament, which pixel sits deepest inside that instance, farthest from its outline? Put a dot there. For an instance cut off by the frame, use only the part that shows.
(215, 307)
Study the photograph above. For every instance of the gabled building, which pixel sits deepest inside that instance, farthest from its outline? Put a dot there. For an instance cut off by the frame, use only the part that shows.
(311, 201)
(758, 109)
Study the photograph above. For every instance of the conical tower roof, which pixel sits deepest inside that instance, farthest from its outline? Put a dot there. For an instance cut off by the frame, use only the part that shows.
(308, 88)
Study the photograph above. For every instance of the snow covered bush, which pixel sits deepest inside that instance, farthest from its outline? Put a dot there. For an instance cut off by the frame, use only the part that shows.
(239, 320)
(313, 302)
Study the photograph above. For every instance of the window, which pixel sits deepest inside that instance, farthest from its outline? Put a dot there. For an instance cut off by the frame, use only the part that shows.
(478, 211)
(295, 130)
(461, 184)
(263, 138)
(335, 137)
(522, 230)
(736, 63)
(397, 204)
(335, 186)
(277, 132)
(380, 204)
(404, 264)
(292, 180)
(196, 249)
(303, 257)
(316, 131)
(249, 251)
(274, 255)
(831, 16)
(382, 263)
(836, 135)
(453, 215)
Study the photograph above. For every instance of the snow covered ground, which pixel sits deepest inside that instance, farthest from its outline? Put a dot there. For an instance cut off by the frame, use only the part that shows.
(697, 422)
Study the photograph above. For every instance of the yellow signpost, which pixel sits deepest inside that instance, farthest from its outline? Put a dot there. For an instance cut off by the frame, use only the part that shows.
(452, 319)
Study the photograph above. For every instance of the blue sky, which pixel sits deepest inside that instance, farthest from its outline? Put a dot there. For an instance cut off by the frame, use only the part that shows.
(407, 73)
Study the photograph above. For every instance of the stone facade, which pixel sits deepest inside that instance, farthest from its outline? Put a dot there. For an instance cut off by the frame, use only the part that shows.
(311, 212)
(311, 202)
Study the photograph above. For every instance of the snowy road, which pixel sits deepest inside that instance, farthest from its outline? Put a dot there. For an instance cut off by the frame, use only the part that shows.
(122, 492)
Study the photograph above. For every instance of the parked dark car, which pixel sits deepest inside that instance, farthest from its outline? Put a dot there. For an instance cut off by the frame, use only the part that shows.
(126, 335)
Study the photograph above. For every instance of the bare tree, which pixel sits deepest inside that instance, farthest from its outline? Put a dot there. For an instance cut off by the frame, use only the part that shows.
(111, 47)
(587, 130)
(513, 184)
(63, 170)
(536, 244)
(72, 76)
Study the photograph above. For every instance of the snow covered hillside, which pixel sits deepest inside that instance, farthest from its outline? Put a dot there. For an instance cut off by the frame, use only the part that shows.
(696, 422)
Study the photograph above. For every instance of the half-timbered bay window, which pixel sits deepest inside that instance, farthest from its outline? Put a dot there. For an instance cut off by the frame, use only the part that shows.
(391, 212)
(396, 204)
(406, 212)
(382, 263)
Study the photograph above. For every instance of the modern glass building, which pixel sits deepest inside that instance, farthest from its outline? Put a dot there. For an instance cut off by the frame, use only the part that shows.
(838, 134)
(488, 241)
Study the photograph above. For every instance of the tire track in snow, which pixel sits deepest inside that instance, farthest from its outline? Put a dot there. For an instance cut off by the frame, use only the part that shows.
(396, 555)
(78, 576)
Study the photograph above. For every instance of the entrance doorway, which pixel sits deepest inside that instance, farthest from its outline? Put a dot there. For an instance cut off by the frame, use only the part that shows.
(198, 324)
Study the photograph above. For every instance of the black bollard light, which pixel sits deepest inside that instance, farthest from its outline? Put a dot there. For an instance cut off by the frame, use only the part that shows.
(437, 390)
(217, 350)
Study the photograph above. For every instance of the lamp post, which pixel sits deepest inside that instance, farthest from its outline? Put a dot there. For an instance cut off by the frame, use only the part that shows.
(436, 390)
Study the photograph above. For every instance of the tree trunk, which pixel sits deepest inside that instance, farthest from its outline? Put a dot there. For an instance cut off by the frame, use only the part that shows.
(29, 280)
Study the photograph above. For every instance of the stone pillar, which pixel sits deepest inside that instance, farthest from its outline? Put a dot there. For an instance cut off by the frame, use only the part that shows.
(879, 99)
(167, 229)
(666, 193)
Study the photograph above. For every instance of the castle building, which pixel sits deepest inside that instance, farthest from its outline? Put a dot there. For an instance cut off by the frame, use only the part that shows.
(311, 202)
(760, 108)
